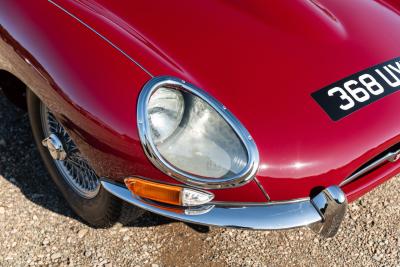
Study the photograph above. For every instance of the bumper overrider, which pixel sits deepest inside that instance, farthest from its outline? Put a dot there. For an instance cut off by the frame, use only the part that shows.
(322, 213)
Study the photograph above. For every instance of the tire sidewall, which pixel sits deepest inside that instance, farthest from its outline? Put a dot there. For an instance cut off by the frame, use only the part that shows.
(99, 211)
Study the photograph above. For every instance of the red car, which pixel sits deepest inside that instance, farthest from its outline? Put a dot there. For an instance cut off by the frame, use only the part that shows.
(251, 114)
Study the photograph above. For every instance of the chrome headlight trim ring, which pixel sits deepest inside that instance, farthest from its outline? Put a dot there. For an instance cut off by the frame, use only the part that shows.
(156, 158)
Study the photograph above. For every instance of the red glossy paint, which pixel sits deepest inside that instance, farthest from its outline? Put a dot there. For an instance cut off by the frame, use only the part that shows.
(99, 112)
(261, 59)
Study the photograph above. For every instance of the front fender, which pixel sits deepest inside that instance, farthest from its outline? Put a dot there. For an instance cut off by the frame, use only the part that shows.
(89, 84)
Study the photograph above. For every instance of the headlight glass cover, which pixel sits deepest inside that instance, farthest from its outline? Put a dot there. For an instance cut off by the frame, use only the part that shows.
(190, 136)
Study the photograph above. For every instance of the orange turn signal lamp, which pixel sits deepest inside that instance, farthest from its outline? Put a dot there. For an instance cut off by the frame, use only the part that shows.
(168, 194)
(163, 193)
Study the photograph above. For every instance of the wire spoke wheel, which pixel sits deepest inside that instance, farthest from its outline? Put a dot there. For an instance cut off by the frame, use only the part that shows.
(74, 168)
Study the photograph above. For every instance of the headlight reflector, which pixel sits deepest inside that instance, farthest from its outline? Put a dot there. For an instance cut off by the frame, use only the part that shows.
(165, 110)
(190, 136)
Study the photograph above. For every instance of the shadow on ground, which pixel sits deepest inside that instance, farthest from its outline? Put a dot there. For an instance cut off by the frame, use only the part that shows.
(21, 165)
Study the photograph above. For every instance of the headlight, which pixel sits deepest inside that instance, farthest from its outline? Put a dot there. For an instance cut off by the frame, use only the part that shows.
(190, 136)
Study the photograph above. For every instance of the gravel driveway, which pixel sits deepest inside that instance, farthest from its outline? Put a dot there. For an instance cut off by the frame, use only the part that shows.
(38, 228)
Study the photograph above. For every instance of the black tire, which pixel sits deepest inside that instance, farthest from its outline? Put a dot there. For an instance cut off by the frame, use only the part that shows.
(104, 209)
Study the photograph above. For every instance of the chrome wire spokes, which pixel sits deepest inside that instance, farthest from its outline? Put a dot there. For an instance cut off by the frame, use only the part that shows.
(74, 168)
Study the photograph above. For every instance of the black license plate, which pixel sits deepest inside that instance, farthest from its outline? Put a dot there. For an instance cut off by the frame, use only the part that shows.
(358, 90)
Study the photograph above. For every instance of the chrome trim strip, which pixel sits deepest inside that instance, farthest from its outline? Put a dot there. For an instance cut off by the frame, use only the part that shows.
(238, 204)
(276, 216)
(101, 36)
(391, 156)
(155, 157)
(225, 203)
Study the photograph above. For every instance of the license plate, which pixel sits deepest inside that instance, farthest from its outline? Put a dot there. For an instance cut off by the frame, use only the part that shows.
(358, 90)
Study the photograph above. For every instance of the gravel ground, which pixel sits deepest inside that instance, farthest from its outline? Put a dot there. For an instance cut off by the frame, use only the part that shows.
(38, 228)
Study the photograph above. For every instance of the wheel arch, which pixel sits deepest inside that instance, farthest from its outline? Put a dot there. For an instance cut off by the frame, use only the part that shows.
(13, 88)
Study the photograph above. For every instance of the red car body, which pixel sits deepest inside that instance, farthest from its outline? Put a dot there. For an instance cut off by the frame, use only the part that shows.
(88, 61)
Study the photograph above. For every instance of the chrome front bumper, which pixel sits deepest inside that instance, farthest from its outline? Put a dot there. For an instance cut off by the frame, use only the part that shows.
(322, 213)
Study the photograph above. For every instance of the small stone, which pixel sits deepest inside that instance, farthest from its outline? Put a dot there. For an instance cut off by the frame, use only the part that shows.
(3, 142)
(55, 256)
(2, 210)
(103, 262)
(87, 253)
(82, 233)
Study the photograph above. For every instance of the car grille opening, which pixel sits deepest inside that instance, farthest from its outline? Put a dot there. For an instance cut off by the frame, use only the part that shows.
(390, 154)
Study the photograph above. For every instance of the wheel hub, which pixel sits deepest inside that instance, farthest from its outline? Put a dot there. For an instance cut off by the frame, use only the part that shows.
(55, 147)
